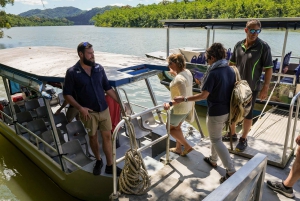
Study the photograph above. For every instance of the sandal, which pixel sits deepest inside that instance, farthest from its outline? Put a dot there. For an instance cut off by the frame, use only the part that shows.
(185, 152)
(207, 160)
(174, 150)
(224, 178)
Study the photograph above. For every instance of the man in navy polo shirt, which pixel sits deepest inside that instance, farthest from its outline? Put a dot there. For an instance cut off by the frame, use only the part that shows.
(88, 80)
(251, 56)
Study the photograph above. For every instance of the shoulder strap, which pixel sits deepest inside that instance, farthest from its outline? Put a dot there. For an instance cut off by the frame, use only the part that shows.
(237, 74)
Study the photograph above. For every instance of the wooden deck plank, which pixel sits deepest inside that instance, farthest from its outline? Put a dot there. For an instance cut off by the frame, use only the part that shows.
(267, 136)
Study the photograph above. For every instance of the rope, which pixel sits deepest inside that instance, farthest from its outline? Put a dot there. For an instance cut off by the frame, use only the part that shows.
(134, 178)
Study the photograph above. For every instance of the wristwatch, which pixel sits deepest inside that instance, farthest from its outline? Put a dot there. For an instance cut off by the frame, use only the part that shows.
(185, 99)
(170, 103)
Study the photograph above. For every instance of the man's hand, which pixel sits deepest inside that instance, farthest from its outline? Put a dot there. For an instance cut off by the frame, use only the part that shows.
(179, 99)
(297, 140)
(264, 93)
(57, 111)
(85, 113)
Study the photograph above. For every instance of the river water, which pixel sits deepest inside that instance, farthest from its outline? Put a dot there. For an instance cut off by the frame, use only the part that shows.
(20, 179)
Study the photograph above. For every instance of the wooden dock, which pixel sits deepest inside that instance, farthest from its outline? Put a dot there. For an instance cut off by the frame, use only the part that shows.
(267, 136)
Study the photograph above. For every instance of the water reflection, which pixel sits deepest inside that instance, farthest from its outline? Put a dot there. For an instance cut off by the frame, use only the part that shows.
(5, 172)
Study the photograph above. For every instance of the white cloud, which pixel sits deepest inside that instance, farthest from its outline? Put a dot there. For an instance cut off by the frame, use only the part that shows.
(32, 2)
(117, 4)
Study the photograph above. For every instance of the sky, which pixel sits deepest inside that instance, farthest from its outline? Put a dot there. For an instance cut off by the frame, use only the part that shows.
(21, 6)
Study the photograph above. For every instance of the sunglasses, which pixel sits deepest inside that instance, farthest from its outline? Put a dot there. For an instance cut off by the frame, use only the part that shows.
(85, 44)
(253, 31)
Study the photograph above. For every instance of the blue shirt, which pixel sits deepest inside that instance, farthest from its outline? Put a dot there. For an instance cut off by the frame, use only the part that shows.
(90, 90)
(219, 84)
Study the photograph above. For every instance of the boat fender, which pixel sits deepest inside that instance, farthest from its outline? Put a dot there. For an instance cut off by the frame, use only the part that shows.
(194, 59)
(201, 59)
(198, 75)
(46, 95)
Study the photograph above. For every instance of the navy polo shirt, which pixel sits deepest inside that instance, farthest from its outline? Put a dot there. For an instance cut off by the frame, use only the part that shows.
(219, 84)
(90, 90)
(250, 62)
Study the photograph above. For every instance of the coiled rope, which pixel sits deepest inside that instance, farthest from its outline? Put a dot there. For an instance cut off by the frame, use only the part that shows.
(134, 178)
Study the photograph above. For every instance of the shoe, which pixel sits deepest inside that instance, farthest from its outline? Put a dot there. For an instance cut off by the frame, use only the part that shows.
(242, 145)
(109, 170)
(207, 160)
(224, 178)
(185, 152)
(226, 138)
(279, 187)
(98, 166)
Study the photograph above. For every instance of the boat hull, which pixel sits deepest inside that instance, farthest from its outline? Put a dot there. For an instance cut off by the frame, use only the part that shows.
(80, 183)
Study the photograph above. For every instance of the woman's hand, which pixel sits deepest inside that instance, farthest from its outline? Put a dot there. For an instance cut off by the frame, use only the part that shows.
(179, 99)
(166, 106)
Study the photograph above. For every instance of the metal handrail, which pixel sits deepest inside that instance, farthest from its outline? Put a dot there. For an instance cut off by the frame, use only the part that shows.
(245, 184)
(40, 139)
(46, 143)
(291, 110)
(120, 124)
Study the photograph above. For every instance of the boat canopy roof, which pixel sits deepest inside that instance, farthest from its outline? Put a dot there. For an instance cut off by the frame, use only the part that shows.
(49, 64)
(238, 23)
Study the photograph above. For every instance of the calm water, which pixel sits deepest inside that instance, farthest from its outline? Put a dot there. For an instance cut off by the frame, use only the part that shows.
(20, 179)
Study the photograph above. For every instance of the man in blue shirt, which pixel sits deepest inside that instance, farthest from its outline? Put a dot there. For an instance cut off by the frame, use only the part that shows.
(88, 80)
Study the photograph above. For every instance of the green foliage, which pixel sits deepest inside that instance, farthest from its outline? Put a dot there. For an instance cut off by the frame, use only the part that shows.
(3, 18)
(85, 17)
(18, 21)
(150, 15)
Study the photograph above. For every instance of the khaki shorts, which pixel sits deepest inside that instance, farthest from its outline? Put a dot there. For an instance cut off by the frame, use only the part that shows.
(72, 112)
(99, 121)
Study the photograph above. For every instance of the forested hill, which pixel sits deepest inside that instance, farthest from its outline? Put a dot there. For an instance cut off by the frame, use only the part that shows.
(86, 16)
(75, 15)
(150, 15)
(59, 12)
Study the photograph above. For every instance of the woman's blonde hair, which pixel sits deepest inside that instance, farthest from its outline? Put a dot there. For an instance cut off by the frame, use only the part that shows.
(178, 59)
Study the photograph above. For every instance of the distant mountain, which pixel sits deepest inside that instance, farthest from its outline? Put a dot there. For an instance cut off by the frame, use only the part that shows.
(59, 12)
(79, 17)
(86, 16)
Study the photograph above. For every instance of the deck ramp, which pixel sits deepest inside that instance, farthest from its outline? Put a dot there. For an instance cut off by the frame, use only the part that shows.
(190, 178)
(267, 136)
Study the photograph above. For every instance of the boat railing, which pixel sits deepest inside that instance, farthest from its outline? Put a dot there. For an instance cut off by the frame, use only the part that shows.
(288, 126)
(244, 185)
(115, 133)
(38, 139)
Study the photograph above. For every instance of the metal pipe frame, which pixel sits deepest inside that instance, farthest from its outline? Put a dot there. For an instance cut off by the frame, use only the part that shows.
(240, 180)
(153, 98)
(168, 42)
(208, 38)
(295, 123)
(114, 137)
(291, 110)
(283, 52)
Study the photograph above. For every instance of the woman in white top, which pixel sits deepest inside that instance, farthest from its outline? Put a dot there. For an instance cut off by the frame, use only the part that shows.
(181, 85)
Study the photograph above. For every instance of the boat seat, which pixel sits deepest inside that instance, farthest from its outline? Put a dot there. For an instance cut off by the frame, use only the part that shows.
(148, 122)
(74, 151)
(17, 109)
(42, 113)
(76, 131)
(31, 106)
(23, 118)
(36, 126)
(61, 121)
(48, 137)
(6, 110)
(140, 132)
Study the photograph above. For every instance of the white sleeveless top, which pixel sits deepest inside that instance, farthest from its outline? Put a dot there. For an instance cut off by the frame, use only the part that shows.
(182, 85)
